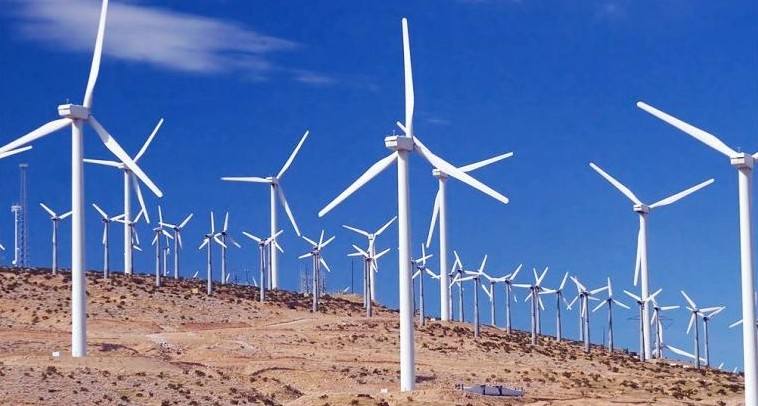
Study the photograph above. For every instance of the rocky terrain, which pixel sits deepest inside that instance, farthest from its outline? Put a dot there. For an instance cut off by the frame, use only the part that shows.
(176, 346)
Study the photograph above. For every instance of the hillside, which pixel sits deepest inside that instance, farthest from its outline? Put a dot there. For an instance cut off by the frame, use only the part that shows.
(175, 345)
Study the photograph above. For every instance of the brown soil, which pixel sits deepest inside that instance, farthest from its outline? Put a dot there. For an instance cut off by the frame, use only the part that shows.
(175, 345)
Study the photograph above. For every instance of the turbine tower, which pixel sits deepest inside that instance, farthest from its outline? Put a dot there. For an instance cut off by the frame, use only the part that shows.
(401, 147)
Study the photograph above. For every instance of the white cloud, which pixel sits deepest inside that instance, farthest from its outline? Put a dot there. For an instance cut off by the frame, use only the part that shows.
(160, 37)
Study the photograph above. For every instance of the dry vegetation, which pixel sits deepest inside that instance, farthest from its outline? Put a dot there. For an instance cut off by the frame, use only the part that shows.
(176, 346)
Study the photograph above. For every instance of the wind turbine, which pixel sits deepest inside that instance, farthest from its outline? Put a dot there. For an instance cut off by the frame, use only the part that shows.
(159, 230)
(420, 264)
(208, 240)
(657, 309)
(744, 164)
(610, 301)
(264, 246)
(508, 281)
(458, 271)
(694, 313)
(372, 249)
(318, 261)
(558, 297)
(276, 191)
(642, 304)
(641, 263)
(440, 210)
(225, 237)
(130, 182)
(683, 353)
(177, 240)
(706, 318)
(534, 290)
(16, 248)
(106, 219)
(401, 147)
(370, 262)
(56, 219)
(476, 276)
(585, 295)
(76, 116)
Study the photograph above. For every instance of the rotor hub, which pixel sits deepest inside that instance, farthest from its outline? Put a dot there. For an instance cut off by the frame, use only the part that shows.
(641, 208)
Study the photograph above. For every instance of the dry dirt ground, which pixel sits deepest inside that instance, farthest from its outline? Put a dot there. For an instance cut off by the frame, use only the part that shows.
(176, 346)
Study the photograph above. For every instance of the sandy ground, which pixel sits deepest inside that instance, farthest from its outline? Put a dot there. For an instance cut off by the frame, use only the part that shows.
(176, 346)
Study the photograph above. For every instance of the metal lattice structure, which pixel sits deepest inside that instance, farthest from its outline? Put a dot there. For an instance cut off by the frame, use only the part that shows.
(21, 240)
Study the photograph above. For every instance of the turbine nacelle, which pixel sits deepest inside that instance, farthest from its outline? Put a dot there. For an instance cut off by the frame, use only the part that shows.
(399, 143)
(438, 173)
(742, 160)
(641, 208)
(73, 111)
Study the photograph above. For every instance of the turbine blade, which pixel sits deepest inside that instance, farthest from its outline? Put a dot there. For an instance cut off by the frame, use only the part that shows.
(140, 198)
(513, 275)
(185, 221)
(598, 306)
(692, 321)
(692, 304)
(252, 237)
(454, 172)
(48, 210)
(374, 170)
(148, 141)
(618, 185)
(408, 68)
(15, 151)
(325, 243)
(681, 195)
(563, 282)
(385, 226)
(65, 215)
(95, 67)
(311, 242)
(379, 255)
(702, 136)
(357, 230)
(119, 152)
(248, 179)
(40, 132)
(485, 162)
(292, 155)
(435, 214)
(103, 162)
(620, 304)
(324, 264)
(99, 210)
(226, 222)
(633, 296)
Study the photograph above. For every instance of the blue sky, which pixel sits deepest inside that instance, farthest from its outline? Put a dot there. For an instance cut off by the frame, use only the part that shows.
(555, 82)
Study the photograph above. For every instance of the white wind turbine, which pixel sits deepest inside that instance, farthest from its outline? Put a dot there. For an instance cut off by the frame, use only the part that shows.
(534, 290)
(318, 261)
(16, 248)
(508, 282)
(641, 262)
(177, 240)
(56, 219)
(76, 116)
(370, 262)
(159, 231)
(558, 297)
(707, 317)
(420, 264)
(656, 320)
(440, 210)
(744, 164)
(695, 312)
(476, 276)
(264, 247)
(225, 237)
(106, 219)
(642, 305)
(207, 243)
(276, 192)
(130, 181)
(372, 249)
(610, 301)
(401, 147)
(585, 295)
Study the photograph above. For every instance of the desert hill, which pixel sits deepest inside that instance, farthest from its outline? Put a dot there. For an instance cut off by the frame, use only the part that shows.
(175, 345)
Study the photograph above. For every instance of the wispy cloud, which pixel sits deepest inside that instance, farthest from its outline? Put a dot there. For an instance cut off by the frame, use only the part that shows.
(160, 37)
